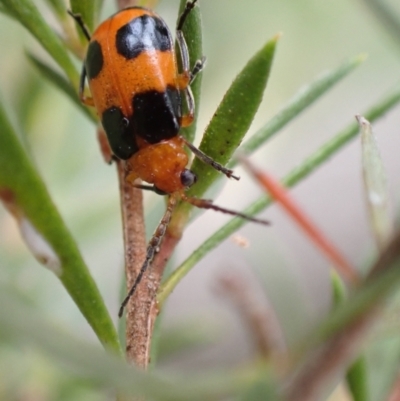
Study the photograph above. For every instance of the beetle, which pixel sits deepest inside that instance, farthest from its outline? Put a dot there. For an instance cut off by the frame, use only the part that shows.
(138, 92)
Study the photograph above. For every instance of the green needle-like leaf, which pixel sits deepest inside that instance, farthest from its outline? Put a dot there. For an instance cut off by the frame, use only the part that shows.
(193, 35)
(303, 170)
(28, 15)
(234, 116)
(26, 195)
(298, 103)
(61, 83)
(229, 124)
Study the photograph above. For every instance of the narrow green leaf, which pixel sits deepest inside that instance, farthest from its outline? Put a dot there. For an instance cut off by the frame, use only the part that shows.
(28, 15)
(308, 166)
(192, 31)
(375, 184)
(24, 190)
(89, 10)
(61, 83)
(234, 116)
(299, 102)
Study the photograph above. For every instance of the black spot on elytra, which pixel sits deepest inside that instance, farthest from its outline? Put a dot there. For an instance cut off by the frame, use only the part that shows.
(141, 34)
(119, 133)
(94, 59)
(156, 115)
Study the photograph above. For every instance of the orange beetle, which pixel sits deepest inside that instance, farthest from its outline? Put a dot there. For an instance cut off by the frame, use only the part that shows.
(137, 91)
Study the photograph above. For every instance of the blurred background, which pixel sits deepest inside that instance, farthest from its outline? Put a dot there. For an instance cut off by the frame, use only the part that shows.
(278, 261)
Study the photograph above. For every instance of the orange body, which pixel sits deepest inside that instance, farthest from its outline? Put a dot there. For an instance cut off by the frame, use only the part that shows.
(136, 90)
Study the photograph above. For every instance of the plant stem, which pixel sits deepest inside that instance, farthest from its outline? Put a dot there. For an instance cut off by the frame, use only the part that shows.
(135, 252)
(142, 309)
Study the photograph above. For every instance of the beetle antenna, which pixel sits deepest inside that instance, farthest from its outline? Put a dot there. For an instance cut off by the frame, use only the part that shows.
(78, 19)
(208, 160)
(152, 250)
(207, 204)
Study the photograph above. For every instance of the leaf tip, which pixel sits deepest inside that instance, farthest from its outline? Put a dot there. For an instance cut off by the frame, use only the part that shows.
(362, 121)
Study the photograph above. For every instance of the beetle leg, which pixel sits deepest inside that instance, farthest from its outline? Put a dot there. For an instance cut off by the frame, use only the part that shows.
(198, 67)
(188, 118)
(208, 160)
